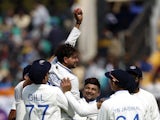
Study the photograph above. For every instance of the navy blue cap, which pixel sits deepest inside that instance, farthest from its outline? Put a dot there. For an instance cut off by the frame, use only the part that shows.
(26, 70)
(135, 71)
(122, 78)
(38, 70)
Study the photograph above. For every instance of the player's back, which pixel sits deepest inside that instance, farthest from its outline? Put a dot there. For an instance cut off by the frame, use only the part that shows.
(122, 105)
(149, 103)
(41, 102)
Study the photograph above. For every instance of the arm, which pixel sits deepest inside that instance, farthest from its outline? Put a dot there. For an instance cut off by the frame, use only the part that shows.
(12, 113)
(75, 33)
(63, 103)
(78, 14)
(75, 88)
(80, 108)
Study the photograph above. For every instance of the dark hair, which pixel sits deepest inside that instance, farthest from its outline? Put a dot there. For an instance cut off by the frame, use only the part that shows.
(92, 81)
(137, 80)
(26, 70)
(65, 50)
(124, 79)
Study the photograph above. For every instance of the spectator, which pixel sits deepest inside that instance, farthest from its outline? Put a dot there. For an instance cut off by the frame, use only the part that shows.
(40, 14)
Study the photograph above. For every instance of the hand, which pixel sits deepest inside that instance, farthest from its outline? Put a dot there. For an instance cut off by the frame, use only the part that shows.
(65, 85)
(99, 103)
(78, 14)
(51, 58)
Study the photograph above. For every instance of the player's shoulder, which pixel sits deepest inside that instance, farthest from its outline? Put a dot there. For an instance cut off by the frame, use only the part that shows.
(146, 93)
(19, 85)
(108, 104)
(42, 87)
(109, 101)
(64, 71)
(52, 67)
(51, 88)
(148, 96)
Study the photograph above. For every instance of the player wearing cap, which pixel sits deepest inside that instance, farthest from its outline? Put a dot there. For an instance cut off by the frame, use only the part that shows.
(18, 104)
(87, 107)
(43, 102)
(121, 105)
(147, 99)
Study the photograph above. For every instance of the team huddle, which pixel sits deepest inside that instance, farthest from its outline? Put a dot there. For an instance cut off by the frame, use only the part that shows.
(50, 90)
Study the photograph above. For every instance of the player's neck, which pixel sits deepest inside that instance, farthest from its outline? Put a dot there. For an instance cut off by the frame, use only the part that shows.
(136, 90)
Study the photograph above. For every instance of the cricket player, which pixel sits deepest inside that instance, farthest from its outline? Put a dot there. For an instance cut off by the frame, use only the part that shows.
(147, 99)
(87, 107)
(43, 102)
(121, 105)
(18, 105)
(66, 58)
(18, 90)
(20, 108)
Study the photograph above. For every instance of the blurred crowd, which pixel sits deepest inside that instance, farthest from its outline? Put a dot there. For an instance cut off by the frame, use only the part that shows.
(26, 36)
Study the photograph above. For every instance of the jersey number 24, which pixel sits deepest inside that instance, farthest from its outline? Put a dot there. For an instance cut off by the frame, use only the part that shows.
(124, 118)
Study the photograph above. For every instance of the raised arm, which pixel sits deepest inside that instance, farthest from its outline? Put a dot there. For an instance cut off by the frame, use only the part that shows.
(78, 15)
(75, 33)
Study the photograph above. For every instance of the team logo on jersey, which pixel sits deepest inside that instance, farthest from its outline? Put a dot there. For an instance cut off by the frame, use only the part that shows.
(41, 62)
(132, 67)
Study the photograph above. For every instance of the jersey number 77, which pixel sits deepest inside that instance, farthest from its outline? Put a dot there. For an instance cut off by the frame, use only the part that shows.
(31, 107)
